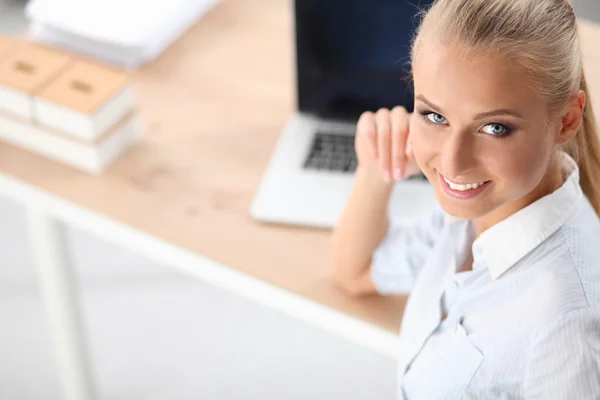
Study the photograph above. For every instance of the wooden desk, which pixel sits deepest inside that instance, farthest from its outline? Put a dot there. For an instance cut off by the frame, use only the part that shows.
(213, 106)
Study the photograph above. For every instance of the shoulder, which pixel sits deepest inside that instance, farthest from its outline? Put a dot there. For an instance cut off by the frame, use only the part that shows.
(563, 272)
(577, 323)
(582, 232)
(581, 238)
(564, 359)
(567, 263)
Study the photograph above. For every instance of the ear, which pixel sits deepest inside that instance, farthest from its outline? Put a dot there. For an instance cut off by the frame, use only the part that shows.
(572, 119)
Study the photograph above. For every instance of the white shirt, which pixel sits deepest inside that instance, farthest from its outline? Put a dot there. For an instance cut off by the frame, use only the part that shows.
(524, 323)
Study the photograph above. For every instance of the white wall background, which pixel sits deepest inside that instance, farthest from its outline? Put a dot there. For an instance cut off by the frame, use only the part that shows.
(589, 9)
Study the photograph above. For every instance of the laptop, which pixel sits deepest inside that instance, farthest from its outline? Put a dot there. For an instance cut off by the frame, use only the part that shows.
(351, 56)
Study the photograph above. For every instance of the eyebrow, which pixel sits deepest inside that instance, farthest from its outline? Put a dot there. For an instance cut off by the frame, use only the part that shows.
(502, 111)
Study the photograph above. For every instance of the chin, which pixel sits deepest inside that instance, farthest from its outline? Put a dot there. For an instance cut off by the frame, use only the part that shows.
(469, 209)
(463, 212)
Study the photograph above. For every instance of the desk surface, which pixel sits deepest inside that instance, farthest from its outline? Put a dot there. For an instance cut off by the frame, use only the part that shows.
(213, 107)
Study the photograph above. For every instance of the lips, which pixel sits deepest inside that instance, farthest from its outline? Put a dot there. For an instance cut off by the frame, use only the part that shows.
(465, 194)
(463, 186)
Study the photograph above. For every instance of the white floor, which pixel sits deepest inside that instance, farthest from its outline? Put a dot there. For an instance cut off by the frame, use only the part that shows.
(157, 335)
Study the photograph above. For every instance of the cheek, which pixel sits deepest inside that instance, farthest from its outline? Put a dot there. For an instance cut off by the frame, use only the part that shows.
(424, 143)
(518, 166)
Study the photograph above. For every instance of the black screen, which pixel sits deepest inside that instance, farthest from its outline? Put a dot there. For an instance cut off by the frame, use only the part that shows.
(353, 55)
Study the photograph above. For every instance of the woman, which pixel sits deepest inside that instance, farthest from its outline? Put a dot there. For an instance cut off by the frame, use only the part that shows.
(505, 275)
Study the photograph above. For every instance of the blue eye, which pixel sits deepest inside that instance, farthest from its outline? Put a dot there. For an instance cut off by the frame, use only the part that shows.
(497, 129)
(436, 118)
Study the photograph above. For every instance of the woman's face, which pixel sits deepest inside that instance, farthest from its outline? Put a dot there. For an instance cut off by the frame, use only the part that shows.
(476, 122)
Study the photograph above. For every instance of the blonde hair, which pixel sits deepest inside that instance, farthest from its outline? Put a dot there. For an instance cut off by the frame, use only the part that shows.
(540, 36)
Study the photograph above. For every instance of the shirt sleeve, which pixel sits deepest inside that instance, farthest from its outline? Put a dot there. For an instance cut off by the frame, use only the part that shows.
(564, 362)
(400, 256)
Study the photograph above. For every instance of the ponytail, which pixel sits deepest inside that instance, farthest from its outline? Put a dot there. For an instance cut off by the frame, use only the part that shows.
(585, 150)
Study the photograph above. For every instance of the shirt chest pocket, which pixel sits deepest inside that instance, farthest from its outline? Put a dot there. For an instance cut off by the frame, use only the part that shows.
(443, 368)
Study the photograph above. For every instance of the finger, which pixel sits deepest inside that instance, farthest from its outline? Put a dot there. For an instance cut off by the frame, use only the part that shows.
(409, 148)
(399, 122)
(367, 131)
(384, 132)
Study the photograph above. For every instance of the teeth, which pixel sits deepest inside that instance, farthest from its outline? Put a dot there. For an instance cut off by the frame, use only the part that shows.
(462, 188)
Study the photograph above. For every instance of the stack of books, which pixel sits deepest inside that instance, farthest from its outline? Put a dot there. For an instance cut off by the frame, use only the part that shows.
(64, 107)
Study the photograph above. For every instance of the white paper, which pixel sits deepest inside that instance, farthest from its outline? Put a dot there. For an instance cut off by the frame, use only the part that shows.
(140, 28)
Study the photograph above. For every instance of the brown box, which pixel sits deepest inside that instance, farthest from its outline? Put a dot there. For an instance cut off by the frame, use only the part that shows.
(6, 44)
(25, 70)
(86, 100)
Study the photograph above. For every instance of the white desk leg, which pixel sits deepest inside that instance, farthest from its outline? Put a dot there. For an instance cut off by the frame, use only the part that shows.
(62, 304)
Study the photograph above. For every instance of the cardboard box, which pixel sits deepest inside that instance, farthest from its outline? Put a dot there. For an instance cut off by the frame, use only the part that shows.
(85, 100)
(25, 70)
(63, 107)
(6, 44)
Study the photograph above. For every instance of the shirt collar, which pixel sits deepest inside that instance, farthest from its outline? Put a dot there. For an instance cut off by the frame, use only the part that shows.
(504, 244)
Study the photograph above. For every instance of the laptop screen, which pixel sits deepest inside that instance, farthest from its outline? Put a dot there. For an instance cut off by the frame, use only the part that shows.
(353, 55)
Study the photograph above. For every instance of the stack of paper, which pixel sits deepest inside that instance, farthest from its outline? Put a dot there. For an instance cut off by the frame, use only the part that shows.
(127, 33)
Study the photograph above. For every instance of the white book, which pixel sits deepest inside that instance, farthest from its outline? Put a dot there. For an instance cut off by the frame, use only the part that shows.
(89, 157)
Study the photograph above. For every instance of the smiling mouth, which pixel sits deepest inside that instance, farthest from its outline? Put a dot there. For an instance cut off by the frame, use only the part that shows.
(463, 187)
(463, 191)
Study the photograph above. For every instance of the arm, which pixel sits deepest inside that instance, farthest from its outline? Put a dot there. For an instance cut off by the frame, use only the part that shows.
(359, 232)
(381, 149)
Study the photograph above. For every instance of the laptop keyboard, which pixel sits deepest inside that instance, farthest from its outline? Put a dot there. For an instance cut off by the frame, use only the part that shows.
(335, 152)
(332, 152)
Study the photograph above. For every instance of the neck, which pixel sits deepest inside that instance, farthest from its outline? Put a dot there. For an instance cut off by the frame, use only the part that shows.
(550, 183)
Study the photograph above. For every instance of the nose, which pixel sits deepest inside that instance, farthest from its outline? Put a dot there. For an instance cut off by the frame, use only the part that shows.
(457, 156)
